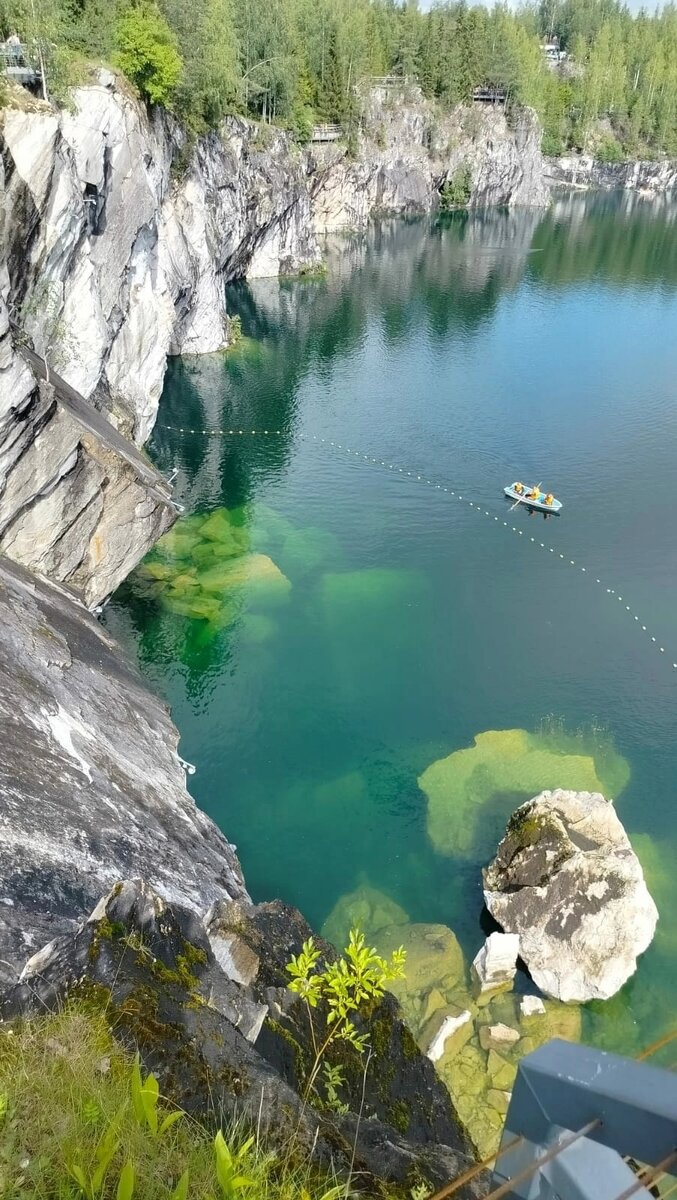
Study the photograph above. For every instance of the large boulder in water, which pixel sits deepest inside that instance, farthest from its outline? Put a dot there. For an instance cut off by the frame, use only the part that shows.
(566, 880)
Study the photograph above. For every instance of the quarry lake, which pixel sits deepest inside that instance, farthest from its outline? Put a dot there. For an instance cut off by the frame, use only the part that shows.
(349, 598)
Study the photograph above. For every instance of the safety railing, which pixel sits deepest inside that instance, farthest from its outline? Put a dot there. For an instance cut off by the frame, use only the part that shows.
(584, 1124)
(17, 62)
(327, 133)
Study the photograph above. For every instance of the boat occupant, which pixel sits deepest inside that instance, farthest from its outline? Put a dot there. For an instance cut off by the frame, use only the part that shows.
(549, 498)
(518, 487)
(533, 494)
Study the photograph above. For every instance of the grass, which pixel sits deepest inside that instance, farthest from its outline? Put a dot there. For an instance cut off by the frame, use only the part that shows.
(67, 1103)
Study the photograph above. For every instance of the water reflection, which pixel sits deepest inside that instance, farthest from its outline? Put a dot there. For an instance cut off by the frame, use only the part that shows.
(442, 279)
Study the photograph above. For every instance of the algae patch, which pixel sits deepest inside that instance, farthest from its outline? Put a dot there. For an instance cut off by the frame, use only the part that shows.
(206, 570)
(471, 792)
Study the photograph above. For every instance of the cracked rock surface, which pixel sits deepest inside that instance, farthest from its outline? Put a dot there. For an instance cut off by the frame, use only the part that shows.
(566, 880)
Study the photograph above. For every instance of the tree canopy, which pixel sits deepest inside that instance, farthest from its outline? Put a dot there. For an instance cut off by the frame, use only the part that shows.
(298, 62)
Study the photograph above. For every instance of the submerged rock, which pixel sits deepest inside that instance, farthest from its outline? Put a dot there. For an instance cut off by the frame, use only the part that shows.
(448, 1027)
(366, 909)
(434, 960)
(498, 1037)
(479, 1072)
(204, 569)
(532, 1006)
(470, 792)
(566, 881)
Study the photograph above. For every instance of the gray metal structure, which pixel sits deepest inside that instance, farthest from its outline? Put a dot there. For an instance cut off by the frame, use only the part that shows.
(15, 64)
(575, 1114)
(327, 133)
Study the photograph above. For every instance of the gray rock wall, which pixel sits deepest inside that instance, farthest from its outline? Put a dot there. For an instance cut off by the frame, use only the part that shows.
(582, 171)
(410, 149)
(91, 786)
(112, 263)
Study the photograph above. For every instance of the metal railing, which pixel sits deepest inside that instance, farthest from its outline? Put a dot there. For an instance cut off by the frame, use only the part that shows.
(327, 133)
(489, 95)
(17, 62)
(584, 1124)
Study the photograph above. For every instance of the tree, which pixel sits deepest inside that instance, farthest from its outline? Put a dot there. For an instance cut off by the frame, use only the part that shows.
(209, 84)
(147, 52)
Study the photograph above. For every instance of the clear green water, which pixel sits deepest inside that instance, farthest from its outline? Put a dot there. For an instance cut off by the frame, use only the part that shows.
(469, 351)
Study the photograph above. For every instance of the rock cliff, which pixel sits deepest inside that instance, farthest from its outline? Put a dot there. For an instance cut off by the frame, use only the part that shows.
(119, 235)
(410, 149)
(583, 171)
(91, 785)
(113, 263)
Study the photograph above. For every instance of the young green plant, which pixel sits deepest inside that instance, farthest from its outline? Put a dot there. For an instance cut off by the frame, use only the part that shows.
(341, 988)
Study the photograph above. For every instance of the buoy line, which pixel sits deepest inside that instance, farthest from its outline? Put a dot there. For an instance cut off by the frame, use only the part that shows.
(368, 458)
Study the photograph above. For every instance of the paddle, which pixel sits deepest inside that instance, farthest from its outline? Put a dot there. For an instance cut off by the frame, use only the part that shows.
(523, 498)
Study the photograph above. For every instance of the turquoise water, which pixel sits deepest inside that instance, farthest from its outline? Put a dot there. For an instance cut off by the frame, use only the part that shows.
(468, 351)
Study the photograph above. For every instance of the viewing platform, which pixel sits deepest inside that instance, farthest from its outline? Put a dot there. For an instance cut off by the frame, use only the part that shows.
(16, 64)
(326, 133)
(489, 95)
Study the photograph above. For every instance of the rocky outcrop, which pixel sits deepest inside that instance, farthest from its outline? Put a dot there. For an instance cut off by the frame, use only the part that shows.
(565, 879)
(495, 965)
(113, 263)
(151, 968)
(410, 148)
(92, 788)
(584, 171)
(78, 503)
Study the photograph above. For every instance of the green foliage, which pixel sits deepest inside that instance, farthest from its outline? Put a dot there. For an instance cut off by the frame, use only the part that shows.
(90, 1174)
(456, 192)
(146, 50)
(145, 1095)
(125, 1188)
(297, 62)
(78, 1121)
(340, 989)
(230, 1165)
(609, 150)
(333, 1079)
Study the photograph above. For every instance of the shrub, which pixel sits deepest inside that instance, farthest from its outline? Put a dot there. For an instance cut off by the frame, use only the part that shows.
(610, 150)
(552, 144)
(146, 52)
(457, 190)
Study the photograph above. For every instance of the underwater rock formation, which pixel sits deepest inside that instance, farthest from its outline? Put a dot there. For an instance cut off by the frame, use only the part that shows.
(470, 792)
(366, 909)
(566, 880)
(204, 569)
(475, 1042)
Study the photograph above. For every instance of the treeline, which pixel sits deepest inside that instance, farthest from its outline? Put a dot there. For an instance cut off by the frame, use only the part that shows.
(298, 62)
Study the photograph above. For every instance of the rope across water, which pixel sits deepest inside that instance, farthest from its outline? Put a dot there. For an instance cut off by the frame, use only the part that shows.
(439, 487)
